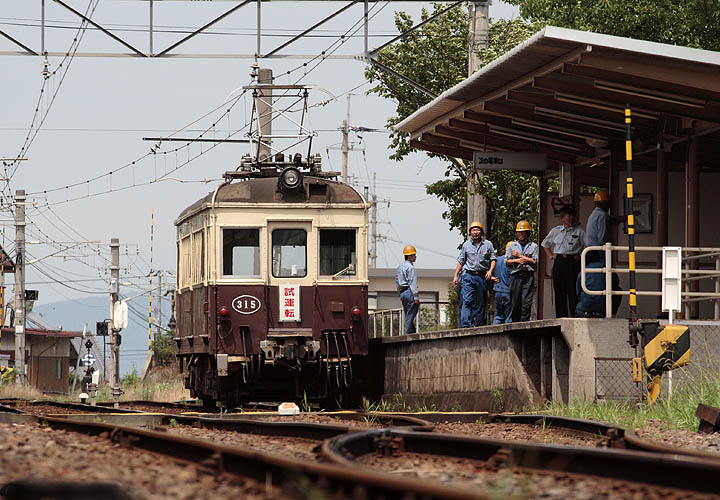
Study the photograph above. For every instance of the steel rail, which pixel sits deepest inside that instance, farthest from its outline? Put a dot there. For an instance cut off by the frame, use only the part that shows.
(675, 471)
(265, 468)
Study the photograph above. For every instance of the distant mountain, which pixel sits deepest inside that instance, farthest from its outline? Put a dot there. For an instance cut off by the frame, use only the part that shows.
(72, 315)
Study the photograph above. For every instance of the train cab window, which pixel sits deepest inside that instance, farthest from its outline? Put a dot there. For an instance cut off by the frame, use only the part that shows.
(241, 252)
(289, 253)
(337, 252)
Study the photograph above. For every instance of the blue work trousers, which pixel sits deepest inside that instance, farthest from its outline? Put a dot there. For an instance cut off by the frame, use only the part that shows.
(411, 310)
(473, 311)
(503, 313)
(522, 292)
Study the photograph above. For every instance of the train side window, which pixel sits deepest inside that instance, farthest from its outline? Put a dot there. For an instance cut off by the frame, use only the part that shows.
(289, 253)
(337, 251)
(241, 252)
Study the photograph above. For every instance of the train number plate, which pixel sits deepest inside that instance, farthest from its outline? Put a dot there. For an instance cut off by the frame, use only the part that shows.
(246, 304)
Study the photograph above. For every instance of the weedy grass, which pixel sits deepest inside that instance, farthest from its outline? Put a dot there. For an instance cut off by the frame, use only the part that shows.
(676, 411)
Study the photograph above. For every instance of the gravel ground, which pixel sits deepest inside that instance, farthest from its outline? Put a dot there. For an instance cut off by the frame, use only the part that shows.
(499, 482)
(300, 448)
(32, 452)
(659, 432)
(537, 434)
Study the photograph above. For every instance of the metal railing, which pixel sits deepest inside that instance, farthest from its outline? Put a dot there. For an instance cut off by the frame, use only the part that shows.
(689, 275)
(391, 322)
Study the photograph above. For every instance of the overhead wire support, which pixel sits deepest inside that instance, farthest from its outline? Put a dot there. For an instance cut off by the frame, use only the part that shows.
(310, 29)
(206, 26)
(108, 33)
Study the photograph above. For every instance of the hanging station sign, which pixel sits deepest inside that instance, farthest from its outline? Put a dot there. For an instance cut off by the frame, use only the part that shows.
(500, 160)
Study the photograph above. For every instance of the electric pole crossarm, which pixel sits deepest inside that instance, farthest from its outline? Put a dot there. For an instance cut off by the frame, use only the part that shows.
(407, 80)
(108, 33)
(419, 25)
(311, 28)
(24, 47)
(200, 30)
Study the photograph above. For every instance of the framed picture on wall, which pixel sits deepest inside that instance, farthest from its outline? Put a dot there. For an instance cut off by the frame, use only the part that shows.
(642, 208)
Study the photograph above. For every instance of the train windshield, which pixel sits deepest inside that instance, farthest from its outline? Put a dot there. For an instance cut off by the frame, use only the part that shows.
(241, 252)
(337, 251)
(289, 253)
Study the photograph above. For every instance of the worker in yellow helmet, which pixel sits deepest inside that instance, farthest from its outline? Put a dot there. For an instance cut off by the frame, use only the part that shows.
(477, 261)
(407, 287)
(522, 257)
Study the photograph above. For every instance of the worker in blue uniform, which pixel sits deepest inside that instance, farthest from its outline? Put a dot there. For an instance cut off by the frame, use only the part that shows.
(502, 290)
(477, 261)
(407, 287)
(598, 225)
(522, 257)
(563, 245)
(591, 306)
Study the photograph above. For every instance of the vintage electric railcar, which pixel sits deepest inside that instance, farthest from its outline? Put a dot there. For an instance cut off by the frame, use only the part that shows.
(272, 287)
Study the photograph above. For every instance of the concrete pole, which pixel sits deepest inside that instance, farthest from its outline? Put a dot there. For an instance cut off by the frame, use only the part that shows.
(345, 141)
(373, 227)
(263, 105)
(20, 368)
(158, 307)
(477, 39)
(114, 292)
(344, 149)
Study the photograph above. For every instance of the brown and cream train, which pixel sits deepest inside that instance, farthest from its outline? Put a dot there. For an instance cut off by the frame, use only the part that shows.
(272, 287)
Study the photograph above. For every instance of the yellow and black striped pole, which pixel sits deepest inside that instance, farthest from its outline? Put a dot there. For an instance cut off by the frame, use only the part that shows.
(630, 215)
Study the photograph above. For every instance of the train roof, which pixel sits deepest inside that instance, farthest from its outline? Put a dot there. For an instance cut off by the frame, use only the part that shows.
(265, 190)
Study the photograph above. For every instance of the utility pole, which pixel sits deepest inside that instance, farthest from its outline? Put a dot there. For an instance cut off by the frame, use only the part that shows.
(158, 307)
(263, 104)
(478, 38)
(344, 147)
(20, 286)
(373, 224)
(114, 293)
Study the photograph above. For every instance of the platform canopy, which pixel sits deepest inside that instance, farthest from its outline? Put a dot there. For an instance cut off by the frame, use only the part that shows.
(563, 92)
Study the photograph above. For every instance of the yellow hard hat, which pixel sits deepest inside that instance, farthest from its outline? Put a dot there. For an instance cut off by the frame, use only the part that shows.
(476, 224)
(508, 245)
(601, 195)
(409, 250)
(523, 225)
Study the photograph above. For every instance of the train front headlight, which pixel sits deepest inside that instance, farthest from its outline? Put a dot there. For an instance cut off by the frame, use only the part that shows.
(290, 179)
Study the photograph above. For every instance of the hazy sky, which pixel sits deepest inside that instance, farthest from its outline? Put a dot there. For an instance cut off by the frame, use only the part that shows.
(105, 106)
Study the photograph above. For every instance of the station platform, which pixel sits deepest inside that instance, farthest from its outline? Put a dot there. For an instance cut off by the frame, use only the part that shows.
(508, 367)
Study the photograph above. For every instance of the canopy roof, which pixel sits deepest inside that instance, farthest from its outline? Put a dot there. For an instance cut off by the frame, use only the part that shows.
(563, 92)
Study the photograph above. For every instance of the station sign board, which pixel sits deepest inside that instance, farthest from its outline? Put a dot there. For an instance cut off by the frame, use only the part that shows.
(500, 160)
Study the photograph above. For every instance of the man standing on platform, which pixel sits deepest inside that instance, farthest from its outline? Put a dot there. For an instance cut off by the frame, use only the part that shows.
(598, 225)
(503, 313)
(407, 287)
(477, 261)
(563, 246)
(521, 257)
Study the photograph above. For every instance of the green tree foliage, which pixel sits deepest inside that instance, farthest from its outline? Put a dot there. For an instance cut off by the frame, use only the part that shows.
(436, 57)
(692, 23)
(162, 347)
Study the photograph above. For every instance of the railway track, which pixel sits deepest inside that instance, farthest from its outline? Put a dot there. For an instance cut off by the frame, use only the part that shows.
(623, 456)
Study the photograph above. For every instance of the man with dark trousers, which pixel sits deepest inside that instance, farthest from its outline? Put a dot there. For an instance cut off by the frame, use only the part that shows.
(563, 246)
(477, 261)
(521, 258)
(407, 287)
(598, 225)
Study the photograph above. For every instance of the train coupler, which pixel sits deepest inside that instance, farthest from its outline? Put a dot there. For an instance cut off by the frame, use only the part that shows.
(289, 350)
